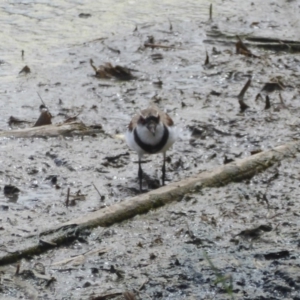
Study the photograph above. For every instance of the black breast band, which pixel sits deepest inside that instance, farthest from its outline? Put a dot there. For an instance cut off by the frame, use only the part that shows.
(151, 149)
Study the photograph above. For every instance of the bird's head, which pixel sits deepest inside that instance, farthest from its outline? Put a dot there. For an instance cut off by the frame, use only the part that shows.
(150, 122)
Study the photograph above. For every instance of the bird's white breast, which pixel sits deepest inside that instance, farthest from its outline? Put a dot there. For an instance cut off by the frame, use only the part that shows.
(148, 138)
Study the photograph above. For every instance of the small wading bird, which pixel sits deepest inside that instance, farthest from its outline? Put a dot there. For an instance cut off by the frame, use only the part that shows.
(151, 131)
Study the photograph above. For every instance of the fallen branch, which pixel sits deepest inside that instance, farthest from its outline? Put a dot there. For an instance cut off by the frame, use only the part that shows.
(233, 172)
(51, 130)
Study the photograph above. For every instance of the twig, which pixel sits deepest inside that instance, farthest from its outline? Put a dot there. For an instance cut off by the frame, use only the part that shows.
(171, 27)
(242, 49)
(276, 215)
(41, 98)
(68, 197)
(268, 104)
(206, 59)
(101, 197)
(281, 101)
(157, 46)
(210, 11)
(244, 89)
(106, 296)
(243, 105)
(18, 269)
(47, 243)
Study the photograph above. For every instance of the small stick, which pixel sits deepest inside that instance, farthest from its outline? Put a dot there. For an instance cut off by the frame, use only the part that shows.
(276, 215)
(206, 59)
(47, 243)
(101, 197)
(268, 104)
(242, 46)
(243, 105)
(22, 54)
(244, 89)
(68, 198)
(171, 27)
(18, 269)
(93, 66)
(210, 11)
(281, 101)
(41, 99)
(157, 46)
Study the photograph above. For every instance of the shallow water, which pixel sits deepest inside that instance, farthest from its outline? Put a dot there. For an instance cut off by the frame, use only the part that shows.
(39, 27)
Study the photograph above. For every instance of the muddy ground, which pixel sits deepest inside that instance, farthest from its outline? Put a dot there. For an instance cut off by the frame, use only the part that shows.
(240, 241)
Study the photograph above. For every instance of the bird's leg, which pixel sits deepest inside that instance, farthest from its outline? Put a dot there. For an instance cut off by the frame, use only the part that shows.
(164, 169)
(140, 174)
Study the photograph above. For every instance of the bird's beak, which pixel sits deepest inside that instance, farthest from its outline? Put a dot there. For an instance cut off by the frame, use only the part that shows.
(152, 128)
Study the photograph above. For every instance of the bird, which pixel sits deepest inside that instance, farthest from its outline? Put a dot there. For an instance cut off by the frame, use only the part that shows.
(151, 131)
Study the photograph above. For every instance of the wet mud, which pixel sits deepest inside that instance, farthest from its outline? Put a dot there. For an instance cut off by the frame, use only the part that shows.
(239, 241)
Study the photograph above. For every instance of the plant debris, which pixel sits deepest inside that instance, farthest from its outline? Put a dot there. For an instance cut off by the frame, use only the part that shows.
(10, 190)
(268, 104)
(256, 232)
(14, 121)
(242, 49)
(270, 87)
(243, 105)
(107, 71)
(44, 118)
(25, 70)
